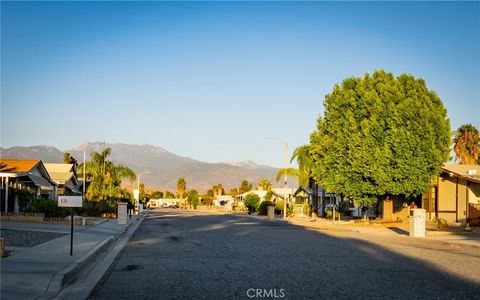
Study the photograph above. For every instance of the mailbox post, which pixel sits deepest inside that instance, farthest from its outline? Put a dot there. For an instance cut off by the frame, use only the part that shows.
(70, 201)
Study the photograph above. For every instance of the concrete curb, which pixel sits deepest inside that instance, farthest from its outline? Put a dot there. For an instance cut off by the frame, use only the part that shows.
(71, 272)
(81, 290)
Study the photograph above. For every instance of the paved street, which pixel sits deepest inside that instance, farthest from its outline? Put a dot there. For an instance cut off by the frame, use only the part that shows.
(183, 255)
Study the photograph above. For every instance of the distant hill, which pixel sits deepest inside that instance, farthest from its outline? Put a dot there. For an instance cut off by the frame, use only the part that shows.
(44, 153)
(163, 166)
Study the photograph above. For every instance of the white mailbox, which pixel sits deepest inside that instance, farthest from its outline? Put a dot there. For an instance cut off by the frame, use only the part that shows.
(417, 222)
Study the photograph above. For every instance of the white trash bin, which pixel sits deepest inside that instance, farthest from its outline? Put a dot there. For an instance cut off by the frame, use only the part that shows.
(417, 222)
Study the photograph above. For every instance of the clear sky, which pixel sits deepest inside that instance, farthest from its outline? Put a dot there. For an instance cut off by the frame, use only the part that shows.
(209, 80)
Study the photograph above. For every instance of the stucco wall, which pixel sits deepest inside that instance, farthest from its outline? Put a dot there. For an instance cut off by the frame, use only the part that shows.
(446, 194)
(474, 193)
(462, 201)
(449, 217)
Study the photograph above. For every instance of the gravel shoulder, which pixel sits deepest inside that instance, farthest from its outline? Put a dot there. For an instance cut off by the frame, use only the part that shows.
(23, 238)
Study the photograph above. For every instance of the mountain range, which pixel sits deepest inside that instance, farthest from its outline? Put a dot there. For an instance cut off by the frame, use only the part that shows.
(162, 167)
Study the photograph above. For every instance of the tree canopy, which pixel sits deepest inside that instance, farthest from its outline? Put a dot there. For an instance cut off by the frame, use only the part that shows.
(290, 172)
(251, 201)
(264, 184)
(467, 145)
(380, 136)
(245, 186)
(218, 189)
(181, 187)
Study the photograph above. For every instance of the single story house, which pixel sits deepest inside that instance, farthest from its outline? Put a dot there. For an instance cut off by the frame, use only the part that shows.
(318, 197)
(224, 200)
(455, 195)
(65, 177)
(23, 174)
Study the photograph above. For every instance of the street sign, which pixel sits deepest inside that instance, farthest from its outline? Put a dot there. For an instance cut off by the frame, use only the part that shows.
(69, 201)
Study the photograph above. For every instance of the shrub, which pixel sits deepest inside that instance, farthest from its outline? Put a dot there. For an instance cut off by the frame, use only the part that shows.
(330, 213)
(442, 224)
(289, 210)
(263, 207)
(344, 208)
(307, 209)
(195, 203)
(279, 206)
(97, 208)
(24, 197)
(251, 201)
(49, 207)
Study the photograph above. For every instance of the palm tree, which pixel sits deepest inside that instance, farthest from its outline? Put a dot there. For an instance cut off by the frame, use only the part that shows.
(264, 184)
(218, 189)
(467, 145)
(290, 172)
(69, 159)
(305, 163)
(105, 177)
(234, 192)
(181, 187)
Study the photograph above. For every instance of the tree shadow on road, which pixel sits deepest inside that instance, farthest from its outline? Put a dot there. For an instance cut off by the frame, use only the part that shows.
(225, 257)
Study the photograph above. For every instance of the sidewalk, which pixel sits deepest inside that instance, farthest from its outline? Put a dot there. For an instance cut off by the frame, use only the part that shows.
(42, 271)
(452, 235)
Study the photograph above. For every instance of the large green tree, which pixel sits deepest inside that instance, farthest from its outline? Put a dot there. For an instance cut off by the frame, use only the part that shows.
(380, 136)
(467, 145)
(105, 177)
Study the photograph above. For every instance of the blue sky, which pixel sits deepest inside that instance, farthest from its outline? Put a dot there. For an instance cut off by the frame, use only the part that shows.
(210, 80)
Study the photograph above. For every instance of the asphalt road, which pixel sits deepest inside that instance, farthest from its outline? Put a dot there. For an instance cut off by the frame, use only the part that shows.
(183, 255)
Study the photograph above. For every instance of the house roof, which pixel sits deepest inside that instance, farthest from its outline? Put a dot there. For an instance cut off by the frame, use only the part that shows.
(467, 172)
(18, 165)
(302, 191)
(24, 168)
(40, 181)
(260, 193)
(60, 177)
(58, 168)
